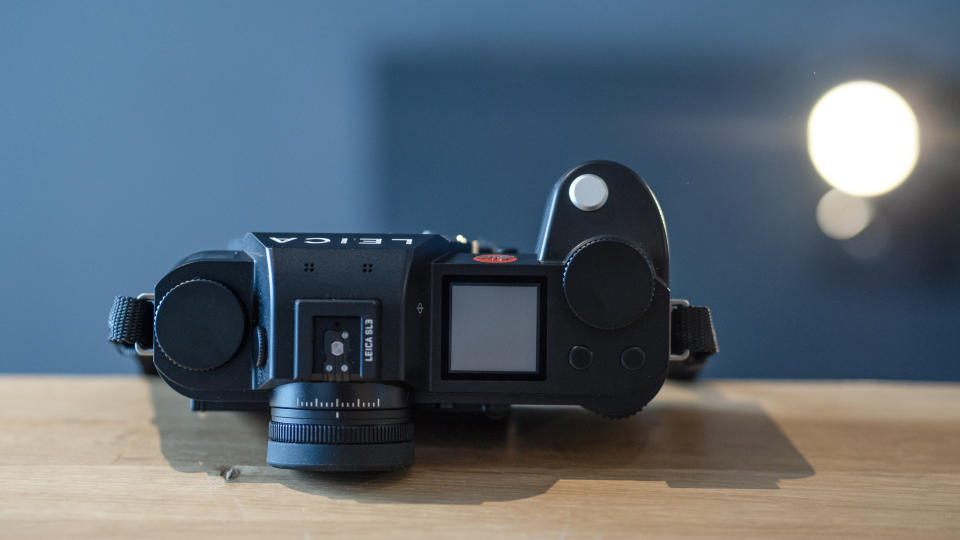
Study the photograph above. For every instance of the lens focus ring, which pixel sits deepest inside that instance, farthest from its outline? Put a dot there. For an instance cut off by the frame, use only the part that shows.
(326, 434)
(333, 426)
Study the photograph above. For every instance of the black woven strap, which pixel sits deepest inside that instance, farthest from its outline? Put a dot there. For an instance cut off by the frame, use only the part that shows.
(131, 322)
(691, 329)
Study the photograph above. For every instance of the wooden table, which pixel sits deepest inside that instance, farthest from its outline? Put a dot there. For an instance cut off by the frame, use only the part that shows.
(123, 456)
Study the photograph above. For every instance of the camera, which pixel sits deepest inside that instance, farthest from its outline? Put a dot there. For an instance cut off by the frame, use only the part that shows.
(342, 335)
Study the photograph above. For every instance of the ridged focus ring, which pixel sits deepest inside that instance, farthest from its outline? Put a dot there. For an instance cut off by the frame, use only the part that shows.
(332, 434)
(340, 426)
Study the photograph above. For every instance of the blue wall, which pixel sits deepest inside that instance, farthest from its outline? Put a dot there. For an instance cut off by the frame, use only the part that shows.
(132, 134)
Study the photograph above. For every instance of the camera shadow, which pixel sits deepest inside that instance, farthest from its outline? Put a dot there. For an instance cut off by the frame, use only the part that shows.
(691, 436)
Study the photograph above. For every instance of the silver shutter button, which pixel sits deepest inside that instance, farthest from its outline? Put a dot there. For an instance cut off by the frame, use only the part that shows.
(588, 192)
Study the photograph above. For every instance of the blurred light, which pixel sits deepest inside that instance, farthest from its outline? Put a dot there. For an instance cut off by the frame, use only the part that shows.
(863, 138)
(872, 243)
(842, 216)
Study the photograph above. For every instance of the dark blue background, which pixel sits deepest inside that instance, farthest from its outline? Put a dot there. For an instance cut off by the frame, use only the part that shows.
(134, 133)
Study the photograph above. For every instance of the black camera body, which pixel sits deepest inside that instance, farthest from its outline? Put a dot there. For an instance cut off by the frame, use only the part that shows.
(342, 334)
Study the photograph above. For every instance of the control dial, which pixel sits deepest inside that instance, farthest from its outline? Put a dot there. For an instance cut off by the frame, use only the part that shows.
(199, 324)
(608, 283)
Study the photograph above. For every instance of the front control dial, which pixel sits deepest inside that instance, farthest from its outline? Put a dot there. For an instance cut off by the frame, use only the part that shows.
(199, 324)
(608, 283)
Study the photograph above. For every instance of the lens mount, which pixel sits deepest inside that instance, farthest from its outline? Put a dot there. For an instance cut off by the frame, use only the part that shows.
(340, 427)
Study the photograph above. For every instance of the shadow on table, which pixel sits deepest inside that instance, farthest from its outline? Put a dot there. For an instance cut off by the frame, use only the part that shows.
(694, 438)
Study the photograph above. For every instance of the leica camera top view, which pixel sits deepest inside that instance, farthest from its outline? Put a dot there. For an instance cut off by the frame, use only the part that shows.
(343, 334)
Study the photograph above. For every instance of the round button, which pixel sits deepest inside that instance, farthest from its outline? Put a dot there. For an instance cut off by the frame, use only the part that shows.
(633, 358)
(580, 357)
(199, 324)
(588, 192)
(608, 283)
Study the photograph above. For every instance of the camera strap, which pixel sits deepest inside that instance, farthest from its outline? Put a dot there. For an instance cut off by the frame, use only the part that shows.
(692, 339)
(131, 322)
(130, 327)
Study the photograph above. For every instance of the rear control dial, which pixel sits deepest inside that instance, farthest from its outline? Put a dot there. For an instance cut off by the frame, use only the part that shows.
(199, 324)
(608, 283)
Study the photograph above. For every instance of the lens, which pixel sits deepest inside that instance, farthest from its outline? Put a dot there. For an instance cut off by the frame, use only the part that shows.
(340, 427)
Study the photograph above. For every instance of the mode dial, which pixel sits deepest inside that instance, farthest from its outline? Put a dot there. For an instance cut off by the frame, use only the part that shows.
(199, 324)
(608, 283)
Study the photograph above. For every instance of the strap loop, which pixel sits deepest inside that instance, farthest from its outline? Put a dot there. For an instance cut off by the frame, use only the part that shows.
(130, 322)
(691, 331)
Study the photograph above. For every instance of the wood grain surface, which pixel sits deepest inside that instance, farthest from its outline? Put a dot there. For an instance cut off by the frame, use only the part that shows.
(88, 457)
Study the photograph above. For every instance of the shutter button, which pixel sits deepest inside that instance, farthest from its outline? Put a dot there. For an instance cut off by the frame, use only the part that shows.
(588, 192)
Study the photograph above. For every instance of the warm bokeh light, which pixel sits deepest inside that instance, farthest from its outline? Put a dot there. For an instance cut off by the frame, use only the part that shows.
(863, 138)
(842, 216)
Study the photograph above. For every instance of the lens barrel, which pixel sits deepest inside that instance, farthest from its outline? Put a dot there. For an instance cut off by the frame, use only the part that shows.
(329, 426)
